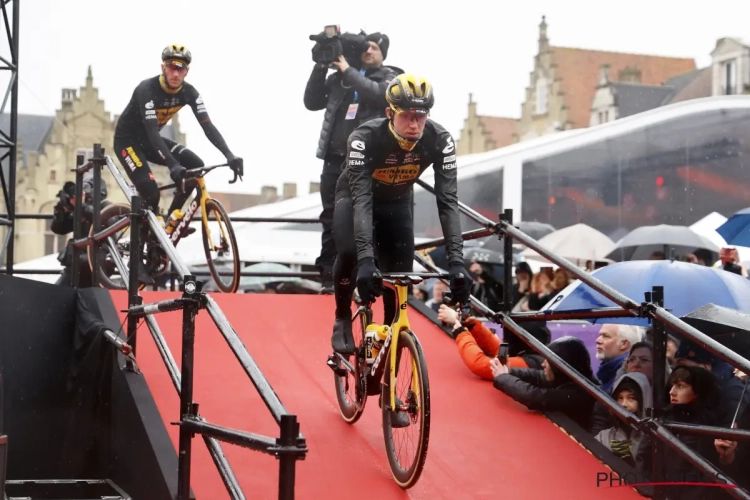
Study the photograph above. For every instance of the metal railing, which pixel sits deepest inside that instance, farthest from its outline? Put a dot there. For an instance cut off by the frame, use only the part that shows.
(653, 307)
(290, 446)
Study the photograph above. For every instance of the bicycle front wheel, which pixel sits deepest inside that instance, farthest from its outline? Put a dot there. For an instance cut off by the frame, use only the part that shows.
(220, 239)
(407, 431)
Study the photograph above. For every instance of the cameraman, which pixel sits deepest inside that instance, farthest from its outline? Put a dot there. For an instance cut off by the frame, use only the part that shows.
(62, 224)
(351, 96)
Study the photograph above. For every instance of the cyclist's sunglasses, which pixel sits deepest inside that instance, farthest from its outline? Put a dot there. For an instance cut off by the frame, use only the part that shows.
(176, 65)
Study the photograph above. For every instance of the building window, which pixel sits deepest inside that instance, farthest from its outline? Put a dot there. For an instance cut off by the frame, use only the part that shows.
(541, 96)
(52, 175)
(729, 77)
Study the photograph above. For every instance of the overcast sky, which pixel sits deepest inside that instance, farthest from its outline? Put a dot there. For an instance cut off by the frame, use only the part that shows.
(251, 65)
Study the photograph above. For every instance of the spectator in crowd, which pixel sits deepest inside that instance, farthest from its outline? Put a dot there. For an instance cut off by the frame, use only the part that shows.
(633, 392)
(350, 97)
(477, 344)
(612, 347)
(63, 223)
(438, 289)
(486, 288)
(549, 389)
(735, 456)
(732, 388)
(522, 285)
(672, 345)
(541, 290)
(693, 395)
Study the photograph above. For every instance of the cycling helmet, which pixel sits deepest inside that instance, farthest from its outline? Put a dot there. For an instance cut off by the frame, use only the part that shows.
(410, 93)
(176, 52)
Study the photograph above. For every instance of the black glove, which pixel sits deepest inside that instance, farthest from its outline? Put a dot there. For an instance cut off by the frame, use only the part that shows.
(178, 173)
(460, 291)
(235, 163)
(367, 277)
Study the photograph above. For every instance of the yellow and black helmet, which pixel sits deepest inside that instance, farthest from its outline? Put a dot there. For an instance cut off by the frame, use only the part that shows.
(177, 52)
(410, 93)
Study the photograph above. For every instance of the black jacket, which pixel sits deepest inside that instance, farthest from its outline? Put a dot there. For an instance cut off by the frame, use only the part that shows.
(379, 170)
(328, 93)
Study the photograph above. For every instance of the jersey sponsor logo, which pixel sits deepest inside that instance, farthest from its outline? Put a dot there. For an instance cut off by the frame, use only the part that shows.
(356, 162)
(358, 145)
(199, 100)
(449, 148)
(149, 105)
(396, 175)
(354, 154)
(164, 115)
(392, 159)
(201, 108)
(134, 157)
(449, 159)
(449, 166)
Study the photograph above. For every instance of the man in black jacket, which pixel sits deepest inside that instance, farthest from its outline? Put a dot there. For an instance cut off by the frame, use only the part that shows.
(350, 97)
(62, 223)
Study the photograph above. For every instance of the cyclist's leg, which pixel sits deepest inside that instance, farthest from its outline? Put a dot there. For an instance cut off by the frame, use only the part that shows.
(187, 159)
(344, 272)
(394, 244)
(134, 158)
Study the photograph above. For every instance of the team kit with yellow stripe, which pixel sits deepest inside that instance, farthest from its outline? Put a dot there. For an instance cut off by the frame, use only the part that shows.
(137, 136)
(373, 216)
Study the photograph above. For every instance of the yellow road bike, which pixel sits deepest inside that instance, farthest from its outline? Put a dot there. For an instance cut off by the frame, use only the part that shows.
(224, 266)
(404, 391)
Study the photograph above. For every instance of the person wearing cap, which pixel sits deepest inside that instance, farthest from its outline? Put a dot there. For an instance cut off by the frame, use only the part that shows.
(350, 97)
(732, 388)
(153, 104)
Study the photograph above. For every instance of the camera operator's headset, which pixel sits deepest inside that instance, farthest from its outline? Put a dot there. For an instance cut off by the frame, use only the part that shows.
(409, 93)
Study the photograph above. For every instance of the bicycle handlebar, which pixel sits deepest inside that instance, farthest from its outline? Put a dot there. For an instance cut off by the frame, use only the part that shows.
(196, 173)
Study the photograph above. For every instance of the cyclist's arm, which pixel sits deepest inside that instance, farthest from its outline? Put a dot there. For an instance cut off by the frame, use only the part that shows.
(212, 133)
(151, 124)
(359, 173)
(446, 195)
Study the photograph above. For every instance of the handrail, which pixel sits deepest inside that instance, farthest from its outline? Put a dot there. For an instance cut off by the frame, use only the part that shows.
(651, 308)
(291, 445)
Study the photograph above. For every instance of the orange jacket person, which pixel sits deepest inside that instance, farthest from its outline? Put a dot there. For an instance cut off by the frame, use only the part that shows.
(477, 344)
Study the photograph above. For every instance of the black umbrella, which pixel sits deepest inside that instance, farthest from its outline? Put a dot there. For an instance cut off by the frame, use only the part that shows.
(640, 243)
(729, 327)
(536, 230)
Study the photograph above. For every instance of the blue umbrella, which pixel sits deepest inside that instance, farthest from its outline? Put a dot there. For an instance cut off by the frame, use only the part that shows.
(736, 230)
(686, 288)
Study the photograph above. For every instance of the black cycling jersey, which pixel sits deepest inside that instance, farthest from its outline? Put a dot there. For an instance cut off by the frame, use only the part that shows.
(378, 169)
(153, 105)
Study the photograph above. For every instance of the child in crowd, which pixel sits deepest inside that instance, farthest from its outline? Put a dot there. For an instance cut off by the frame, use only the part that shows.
(632, 391)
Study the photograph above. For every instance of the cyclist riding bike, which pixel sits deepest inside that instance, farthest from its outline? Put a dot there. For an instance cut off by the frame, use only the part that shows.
(374, 196)
(138, 141)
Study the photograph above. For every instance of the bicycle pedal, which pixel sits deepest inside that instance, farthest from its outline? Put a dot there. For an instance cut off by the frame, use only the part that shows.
(338, 370)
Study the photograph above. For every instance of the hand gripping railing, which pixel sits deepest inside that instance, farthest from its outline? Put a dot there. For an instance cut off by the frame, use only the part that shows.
(652, 308)
(290, 446)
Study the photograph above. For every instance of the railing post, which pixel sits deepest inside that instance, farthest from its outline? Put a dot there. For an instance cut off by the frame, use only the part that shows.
(136, 250)
(190, 308)
(507, 263)
(658, 388)
(75, 268)
(96, 223)
(287, 460)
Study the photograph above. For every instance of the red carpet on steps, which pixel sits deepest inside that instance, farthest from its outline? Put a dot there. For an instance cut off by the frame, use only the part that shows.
(482, 445)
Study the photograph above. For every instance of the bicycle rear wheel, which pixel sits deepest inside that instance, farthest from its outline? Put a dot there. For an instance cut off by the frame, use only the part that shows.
(414, 402)
(109, 274)
(227, 244)
(351, 392)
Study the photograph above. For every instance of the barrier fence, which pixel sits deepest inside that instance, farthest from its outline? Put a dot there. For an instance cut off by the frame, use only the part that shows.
(653, 307)
(290, 446)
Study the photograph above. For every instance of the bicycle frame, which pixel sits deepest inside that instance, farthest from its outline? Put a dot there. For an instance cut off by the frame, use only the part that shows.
(400, 323)
(190, 207)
